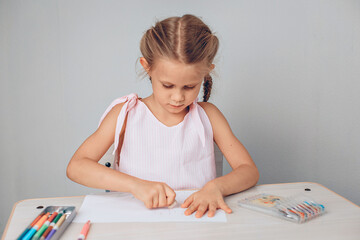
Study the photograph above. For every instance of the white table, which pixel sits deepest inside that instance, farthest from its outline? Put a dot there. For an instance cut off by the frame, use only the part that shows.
(342, 220)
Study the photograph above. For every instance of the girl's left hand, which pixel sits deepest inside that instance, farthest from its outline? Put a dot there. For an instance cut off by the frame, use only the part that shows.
(208, 198)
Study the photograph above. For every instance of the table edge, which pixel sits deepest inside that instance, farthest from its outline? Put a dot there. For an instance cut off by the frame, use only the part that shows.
(15, 204)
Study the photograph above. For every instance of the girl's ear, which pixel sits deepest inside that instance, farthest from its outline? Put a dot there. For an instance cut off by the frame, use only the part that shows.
(212, 66)
(145, 64)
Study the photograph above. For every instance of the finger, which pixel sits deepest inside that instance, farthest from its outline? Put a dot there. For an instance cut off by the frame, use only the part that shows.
(162, 199)
(155, 201)
(170, 195)
(148, 203)
(212, 210)
(187, 202)
(201, 210)
(225, 207)
(192, 208)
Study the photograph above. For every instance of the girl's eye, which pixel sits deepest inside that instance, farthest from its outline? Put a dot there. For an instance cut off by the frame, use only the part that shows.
(189, 87)
(186, 87)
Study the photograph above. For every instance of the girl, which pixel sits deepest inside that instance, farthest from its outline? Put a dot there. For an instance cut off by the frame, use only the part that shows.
(165, 142)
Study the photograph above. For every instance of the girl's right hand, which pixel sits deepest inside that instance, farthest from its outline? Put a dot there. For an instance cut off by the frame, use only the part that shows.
(153, 194)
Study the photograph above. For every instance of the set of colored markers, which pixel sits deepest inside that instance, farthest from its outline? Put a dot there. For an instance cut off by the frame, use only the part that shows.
(49, 224)
(297, 209)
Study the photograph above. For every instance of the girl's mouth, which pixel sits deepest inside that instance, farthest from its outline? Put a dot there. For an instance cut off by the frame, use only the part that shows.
(176, 106)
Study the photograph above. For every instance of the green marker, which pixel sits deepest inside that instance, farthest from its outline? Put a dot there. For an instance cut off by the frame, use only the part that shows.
(44, 226)
(51, 226)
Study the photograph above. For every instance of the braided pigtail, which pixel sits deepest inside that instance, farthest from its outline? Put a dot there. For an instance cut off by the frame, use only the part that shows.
(207, 86)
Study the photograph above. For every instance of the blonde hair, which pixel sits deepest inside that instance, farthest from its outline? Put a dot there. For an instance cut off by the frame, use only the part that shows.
(186, 39)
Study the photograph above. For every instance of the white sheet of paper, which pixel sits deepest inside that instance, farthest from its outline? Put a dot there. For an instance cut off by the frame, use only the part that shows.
(124, 207)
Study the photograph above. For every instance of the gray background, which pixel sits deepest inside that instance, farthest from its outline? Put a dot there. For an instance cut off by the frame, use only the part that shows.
(288, 83)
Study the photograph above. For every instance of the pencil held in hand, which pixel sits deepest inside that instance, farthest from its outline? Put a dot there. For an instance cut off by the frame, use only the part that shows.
(173, 204)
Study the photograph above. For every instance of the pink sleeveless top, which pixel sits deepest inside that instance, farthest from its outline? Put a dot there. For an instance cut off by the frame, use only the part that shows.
(182, 156)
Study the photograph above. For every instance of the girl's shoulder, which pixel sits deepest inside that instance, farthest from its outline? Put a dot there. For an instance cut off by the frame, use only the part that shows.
(114, 109)
(210, 109)
(218, 122)
(110, 118)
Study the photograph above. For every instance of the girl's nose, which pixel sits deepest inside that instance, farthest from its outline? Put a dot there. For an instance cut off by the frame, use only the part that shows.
(177, 97)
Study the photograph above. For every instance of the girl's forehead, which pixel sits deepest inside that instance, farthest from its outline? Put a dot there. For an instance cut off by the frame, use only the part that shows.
(171, 67)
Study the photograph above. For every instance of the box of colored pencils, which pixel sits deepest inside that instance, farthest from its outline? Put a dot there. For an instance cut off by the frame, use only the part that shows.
(49, 224)
(297, 209)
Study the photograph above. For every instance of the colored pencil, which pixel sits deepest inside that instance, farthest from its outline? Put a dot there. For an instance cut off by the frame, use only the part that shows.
(84, 231)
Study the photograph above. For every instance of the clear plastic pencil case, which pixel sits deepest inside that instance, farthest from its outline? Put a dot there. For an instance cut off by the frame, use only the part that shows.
(297, 209)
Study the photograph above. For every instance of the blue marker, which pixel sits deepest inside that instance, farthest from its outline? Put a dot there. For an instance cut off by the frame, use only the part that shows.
(36, 227)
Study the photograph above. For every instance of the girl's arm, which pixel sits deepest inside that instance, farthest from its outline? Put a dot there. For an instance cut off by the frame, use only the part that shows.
(243, 176)
(245, 173)
(84, 168)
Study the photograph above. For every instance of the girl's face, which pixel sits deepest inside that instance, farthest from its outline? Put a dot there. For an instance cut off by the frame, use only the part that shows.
(175, 85)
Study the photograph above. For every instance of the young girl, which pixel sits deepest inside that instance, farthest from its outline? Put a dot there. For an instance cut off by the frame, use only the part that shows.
(165, 142)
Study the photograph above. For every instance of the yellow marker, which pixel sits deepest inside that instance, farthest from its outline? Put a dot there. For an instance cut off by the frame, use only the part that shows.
(57, 225)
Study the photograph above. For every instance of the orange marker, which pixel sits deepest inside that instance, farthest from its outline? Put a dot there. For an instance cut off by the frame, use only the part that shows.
(36, 227)
(36, 219)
